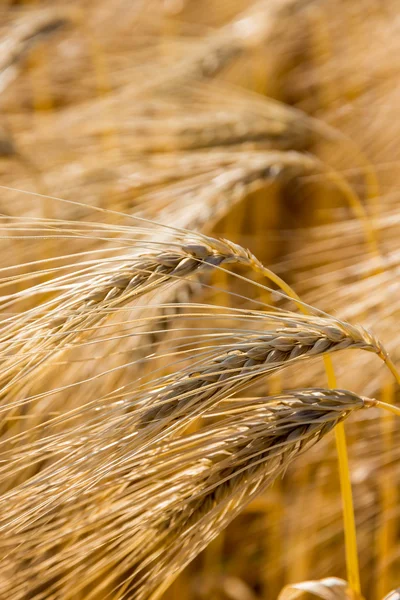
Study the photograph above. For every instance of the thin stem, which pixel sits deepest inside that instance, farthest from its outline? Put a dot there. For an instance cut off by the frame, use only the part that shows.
(359, 212)
(384, 405)
(391, 366)
(350, 534)
(353, 572)
(386, 537)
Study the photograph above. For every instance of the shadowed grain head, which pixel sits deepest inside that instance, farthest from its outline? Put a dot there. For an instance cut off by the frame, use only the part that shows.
(129, 532)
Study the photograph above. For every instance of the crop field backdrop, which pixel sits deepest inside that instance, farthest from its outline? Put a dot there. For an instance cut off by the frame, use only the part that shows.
(199, 300)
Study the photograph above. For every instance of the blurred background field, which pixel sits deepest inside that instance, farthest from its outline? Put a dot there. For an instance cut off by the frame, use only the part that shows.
(206, 115)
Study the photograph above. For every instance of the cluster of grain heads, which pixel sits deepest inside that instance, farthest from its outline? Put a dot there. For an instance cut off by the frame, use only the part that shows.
(106, 483)
(160, 494)
(213, 369)
(295, 338)
(125, 519)
(93, 294)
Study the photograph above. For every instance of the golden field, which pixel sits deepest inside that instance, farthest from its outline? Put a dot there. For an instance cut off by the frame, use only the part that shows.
(199, 274)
